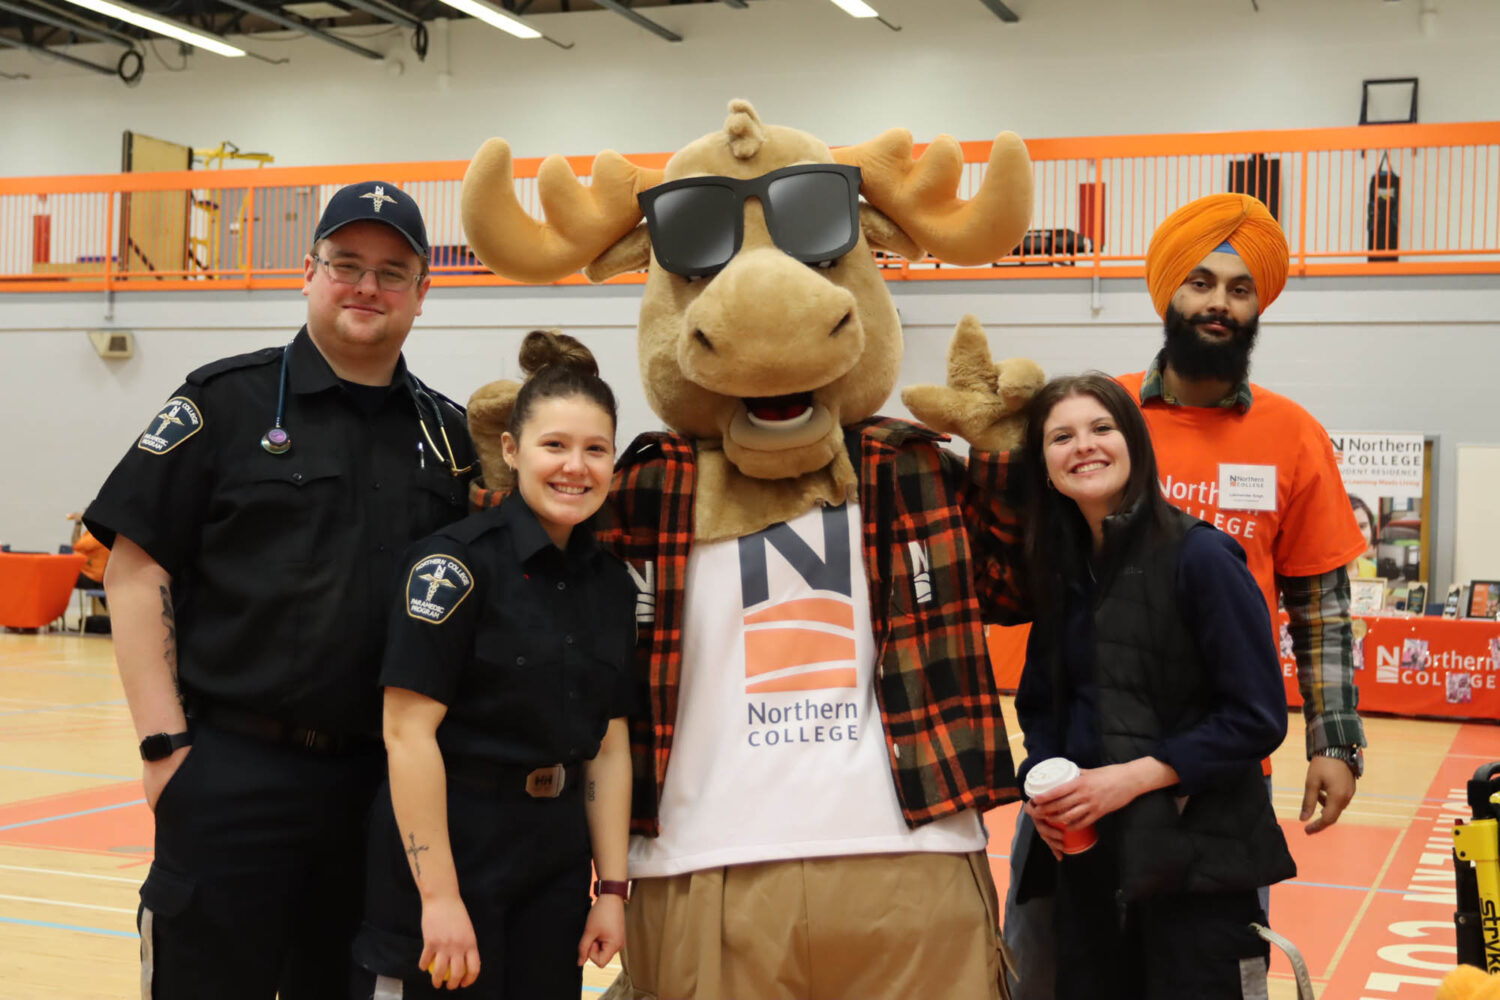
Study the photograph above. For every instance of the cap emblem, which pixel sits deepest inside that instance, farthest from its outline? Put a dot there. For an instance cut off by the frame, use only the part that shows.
(379, 197)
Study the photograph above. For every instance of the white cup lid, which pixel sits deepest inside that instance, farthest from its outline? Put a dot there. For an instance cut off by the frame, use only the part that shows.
(1049, 774)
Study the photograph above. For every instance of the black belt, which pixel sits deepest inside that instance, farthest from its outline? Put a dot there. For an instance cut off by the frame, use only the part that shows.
(547, 782)
(245, 723)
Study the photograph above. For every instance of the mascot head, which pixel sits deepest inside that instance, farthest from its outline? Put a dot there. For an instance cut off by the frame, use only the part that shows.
(765, 325)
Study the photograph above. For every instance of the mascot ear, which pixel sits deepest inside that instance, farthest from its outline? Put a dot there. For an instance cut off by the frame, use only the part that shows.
(883, 234)
(631, 252)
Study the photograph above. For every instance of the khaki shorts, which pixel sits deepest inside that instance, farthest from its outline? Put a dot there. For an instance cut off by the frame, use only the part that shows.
(871, 927)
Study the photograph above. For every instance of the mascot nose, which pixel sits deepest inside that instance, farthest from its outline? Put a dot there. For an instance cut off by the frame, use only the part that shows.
(768, 324)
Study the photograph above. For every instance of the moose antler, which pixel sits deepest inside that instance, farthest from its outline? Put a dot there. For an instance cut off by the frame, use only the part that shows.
(922, 194)
(582, 222)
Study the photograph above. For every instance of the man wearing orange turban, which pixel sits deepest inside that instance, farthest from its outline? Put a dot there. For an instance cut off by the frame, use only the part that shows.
(1256, 465)
(1234, 224)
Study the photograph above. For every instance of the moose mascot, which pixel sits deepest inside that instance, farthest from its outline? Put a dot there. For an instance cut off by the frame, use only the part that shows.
(820, 730)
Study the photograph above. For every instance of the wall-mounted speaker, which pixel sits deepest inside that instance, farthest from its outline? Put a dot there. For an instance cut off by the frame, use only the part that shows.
(113, 343)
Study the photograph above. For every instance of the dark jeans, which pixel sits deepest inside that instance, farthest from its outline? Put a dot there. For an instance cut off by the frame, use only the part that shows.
(1181, 946)
(255, 889)
(1029, 923)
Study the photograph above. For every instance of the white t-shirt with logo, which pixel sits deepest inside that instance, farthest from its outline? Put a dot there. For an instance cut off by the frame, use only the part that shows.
(779, 750)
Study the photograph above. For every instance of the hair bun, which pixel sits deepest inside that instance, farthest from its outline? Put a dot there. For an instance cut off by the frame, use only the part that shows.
(543, 348)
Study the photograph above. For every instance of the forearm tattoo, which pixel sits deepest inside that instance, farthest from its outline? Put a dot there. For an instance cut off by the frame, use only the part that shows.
(414, 850)
(169, 648)
(591, 791)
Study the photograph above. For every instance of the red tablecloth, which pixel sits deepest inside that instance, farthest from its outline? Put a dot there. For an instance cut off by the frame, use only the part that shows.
(1440, 667)
(35, 588)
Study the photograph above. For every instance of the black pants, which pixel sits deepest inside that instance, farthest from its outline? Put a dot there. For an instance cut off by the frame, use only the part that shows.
(1186, 946)
(255, 889)
(523, 872)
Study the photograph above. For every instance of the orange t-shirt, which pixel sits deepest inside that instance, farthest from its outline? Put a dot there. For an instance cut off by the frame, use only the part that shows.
(95, 556)
(1266, 475)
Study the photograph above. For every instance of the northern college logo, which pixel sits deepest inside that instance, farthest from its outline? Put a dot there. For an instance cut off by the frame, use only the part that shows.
(805, 644)
(921, 577)
(435, 586)
(645, 592)
(178, 420)
(1411, 661)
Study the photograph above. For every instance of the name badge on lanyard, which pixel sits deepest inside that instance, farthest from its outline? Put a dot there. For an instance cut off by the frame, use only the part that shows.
(1247, 487)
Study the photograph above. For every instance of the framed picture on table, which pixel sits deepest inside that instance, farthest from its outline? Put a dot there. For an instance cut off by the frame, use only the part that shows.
(1484, 599)
(1416, 598)
(1454, 602)
(1367, 595)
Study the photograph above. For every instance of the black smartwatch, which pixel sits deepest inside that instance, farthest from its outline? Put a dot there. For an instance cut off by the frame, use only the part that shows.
(1351, 755)
(160, 746)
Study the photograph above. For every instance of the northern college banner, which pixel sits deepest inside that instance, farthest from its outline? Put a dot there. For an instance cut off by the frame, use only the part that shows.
(1382, 474)
(1388, 465)
(1430, 666)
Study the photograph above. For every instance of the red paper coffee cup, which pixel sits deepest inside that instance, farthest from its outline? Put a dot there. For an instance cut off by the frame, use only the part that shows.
(1055, 772)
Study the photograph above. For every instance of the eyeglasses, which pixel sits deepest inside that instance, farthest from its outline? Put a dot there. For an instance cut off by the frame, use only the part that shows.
(389, 279)
(698, 223)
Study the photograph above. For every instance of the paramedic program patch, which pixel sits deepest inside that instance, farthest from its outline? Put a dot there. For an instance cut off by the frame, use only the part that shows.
(178, 420)
(436, 586)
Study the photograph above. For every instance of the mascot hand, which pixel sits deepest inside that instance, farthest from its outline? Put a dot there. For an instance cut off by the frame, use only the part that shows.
(489, 416)
(1469, 983)
(984, 403)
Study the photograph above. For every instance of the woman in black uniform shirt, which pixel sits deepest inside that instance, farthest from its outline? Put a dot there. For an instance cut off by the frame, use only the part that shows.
(507, 679)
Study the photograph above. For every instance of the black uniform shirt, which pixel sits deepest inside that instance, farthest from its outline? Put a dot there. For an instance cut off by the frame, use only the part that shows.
(283, 565)
(528, 645)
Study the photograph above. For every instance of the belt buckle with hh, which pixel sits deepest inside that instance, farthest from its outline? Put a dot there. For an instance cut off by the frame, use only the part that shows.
(546, 782)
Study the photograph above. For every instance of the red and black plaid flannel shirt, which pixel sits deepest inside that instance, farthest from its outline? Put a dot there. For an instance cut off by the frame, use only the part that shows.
(937, 694)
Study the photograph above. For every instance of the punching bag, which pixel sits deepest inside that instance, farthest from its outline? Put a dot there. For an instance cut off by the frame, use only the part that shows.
(1383, 211)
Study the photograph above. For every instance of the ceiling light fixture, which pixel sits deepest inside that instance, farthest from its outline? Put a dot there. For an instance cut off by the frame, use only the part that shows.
(296, 24)
(856, 8)
(160, 25)
(316, 10)
(1004, 13)
(494, 17)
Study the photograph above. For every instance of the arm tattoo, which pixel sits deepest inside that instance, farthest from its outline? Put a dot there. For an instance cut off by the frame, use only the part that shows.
(169, 621)
(414, 850)
(591, 791)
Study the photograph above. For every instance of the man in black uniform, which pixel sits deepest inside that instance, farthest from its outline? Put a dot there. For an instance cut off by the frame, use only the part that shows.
(256, 528)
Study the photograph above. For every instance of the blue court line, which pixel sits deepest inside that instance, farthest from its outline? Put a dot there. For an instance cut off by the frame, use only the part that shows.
(1351, 888)
(1298, 882)
(84, 812)
(594, 989)
(1365, 797)
(72, 927)
(64, 708)
(68, 774)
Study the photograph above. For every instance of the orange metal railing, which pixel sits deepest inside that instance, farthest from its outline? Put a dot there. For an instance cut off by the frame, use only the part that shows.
(1097, 202)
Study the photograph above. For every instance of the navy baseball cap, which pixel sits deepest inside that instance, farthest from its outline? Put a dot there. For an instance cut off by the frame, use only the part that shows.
(374, 201)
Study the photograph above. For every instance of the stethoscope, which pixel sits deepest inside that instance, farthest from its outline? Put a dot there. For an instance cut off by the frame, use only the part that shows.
(277, 441)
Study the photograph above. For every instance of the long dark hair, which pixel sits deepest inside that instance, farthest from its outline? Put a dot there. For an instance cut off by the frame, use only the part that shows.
(1055, 528)
(554, 366)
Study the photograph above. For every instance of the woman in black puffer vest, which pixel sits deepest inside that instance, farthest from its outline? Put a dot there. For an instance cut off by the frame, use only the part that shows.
(1151, 667)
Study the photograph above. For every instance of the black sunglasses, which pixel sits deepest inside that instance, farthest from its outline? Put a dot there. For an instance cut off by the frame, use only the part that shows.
(698, 223)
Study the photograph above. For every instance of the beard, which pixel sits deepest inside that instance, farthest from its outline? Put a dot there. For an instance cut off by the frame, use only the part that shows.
(1193, 356)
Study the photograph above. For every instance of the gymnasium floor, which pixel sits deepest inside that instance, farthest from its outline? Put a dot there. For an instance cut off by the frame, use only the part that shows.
(1371, 909)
